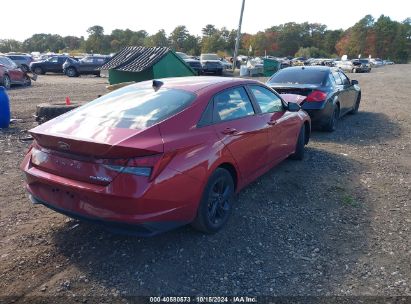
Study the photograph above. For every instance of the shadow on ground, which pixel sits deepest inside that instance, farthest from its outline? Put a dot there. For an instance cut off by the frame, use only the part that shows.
(292, 233)
(361, 129)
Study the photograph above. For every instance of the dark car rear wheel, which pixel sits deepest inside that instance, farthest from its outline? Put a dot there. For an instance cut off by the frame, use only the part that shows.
(6, 81)
(300, 146)
(333, 120)
(356, 105)
(71, 72)
(216, 203)
(38, 71)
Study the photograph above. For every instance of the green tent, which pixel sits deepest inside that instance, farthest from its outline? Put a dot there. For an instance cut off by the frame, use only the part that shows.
(137, 63)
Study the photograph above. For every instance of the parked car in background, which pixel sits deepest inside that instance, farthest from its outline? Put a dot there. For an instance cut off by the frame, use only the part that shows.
(168, 152)
(22, 61)
(211, 64)
(388, 62)
(193, 63)
(88, 65)
(226, 65)
(354, 66)
(376, 62)
(298, 61)
(361, 66)
(11, 74)
(51, 64)
(329, 92)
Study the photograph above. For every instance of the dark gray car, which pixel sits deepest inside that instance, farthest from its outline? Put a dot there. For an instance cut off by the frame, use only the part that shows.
(87, 65)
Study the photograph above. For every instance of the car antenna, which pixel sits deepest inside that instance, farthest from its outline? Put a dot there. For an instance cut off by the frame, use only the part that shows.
(157, 84)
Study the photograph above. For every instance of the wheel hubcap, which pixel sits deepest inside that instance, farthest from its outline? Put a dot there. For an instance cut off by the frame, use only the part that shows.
(6, 82)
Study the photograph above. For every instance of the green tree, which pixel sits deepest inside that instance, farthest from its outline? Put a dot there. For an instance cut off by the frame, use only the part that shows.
(97, 42)
(209, 30)
(159, 39)
(10, 45)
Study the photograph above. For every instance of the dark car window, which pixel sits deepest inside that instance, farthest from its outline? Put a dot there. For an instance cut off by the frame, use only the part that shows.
(299, 76)
(267, 100)
(136, 107)
(62, 59)
(232, 104)
(337, 78)
(344, 78)
(53, 59)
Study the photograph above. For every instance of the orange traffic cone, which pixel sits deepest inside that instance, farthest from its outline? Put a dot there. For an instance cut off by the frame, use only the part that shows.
(68, 102)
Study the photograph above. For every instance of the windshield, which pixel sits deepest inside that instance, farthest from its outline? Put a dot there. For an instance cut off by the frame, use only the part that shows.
(299, 76)
(209, 57)
(136, 107)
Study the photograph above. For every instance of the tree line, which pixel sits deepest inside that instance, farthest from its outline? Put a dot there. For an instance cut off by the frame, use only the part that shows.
(383, 38)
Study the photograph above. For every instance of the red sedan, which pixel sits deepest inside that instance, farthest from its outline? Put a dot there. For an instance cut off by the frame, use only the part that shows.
(11, 74)
(157, 155)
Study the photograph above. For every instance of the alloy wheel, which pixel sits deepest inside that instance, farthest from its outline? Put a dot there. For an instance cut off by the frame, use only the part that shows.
(219, 201)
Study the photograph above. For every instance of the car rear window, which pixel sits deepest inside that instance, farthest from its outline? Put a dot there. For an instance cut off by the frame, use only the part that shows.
(299, 76)
(136, 107)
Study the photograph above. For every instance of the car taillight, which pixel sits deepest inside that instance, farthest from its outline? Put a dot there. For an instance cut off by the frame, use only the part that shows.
(316, 96)
(149, 166)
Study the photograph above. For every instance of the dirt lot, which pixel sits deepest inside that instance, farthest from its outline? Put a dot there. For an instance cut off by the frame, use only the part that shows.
(337, 223)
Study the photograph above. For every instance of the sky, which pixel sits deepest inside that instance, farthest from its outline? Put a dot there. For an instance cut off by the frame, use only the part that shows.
(75, 17)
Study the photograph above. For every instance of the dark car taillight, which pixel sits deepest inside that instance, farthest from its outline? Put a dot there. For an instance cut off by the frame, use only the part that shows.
(316, 95)
(149, 166)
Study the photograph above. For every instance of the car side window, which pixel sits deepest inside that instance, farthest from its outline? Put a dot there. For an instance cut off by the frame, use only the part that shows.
(267, 100)
(54, 59)
(10, 63)
(232, 104)
(337, 78)
(344, 78)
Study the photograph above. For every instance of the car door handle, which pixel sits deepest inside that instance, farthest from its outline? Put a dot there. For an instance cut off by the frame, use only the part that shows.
(229, 131)
(271, 122)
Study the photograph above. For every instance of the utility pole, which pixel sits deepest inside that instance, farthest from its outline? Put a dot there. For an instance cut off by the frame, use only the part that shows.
(237, 41)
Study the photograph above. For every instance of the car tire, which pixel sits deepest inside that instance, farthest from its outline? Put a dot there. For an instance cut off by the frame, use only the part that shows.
(38, 71)
(215, 206)
(333, 119)
(6, 82)
(356, 105)
(71, 72)
(300, 145)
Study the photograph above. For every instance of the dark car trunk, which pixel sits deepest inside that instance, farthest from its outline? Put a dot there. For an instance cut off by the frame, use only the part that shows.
(297, 89)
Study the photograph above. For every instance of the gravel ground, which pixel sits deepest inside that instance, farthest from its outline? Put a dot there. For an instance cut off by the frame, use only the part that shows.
(335, 224)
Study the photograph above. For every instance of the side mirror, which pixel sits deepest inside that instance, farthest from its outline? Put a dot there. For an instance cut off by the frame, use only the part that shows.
(353, 82)
(293, 107)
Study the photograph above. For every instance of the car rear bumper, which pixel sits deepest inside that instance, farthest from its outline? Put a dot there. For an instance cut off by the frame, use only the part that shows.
(142, 229)
(320, 114)
(169, 201)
